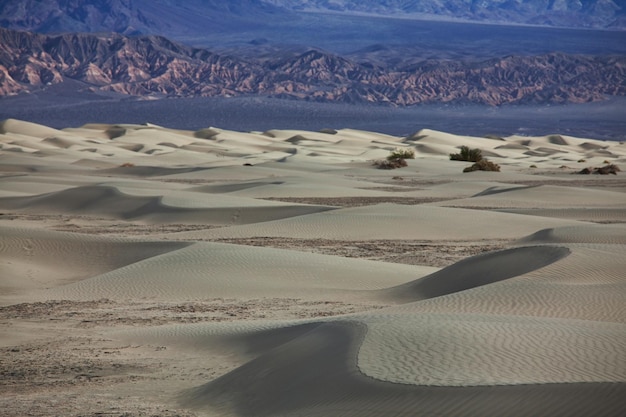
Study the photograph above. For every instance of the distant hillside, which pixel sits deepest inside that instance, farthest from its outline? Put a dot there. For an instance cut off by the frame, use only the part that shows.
(568, 13)
(175, 18)
(153, 65)
(164, 17)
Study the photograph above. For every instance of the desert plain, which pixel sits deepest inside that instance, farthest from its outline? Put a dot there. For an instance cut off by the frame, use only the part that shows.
(146, 271)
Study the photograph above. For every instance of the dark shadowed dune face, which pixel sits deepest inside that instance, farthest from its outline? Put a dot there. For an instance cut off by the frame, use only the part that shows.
(478, 271)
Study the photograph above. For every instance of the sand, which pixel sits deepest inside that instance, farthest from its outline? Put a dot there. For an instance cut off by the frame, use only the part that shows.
(149, 271)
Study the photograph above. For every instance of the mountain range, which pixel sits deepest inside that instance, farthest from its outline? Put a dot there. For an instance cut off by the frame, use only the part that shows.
(569, 13)
(175, 18)
(155, 66)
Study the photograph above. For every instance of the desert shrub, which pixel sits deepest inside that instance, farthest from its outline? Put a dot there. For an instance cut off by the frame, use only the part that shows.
(483, 165)
(581, 160)
(605, 170)
(467, 154)
(390, 164)
(533, 166)
(396, 159)
(127, 165)
(401, 153)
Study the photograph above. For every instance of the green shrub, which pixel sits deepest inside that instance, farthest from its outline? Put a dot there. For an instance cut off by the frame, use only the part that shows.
(467, 154)
(396, 159)
(401, 153)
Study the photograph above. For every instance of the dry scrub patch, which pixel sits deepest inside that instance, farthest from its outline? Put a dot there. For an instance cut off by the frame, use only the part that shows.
(357, 201)
(409, 252)
(107, 313)
(615, 184)
(98, 226)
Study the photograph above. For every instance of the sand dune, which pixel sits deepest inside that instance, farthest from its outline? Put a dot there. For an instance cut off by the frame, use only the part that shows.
(109, 201)
(149, 271)
(544, 196)
(391, 221)
(37, 259)
(412, 354)
(607, 234)
(478, 271)
(213, 270)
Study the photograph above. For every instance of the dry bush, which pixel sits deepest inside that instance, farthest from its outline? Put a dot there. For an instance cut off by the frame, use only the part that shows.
(483, 165)
(605, 170)
(467, 154)
(390, 164)
(396, 159)
(127, 165)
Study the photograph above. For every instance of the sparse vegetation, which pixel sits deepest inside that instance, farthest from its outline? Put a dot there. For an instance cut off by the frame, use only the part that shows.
(467, 154)
(396, 159)
(475, 155)
(533, 166)
(390, 164)
(127, 165)
(582, 160)
(605, 170)
(483, 165)
(401, 153)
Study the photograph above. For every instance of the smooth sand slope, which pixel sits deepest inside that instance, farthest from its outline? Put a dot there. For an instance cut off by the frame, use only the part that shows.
(213, 270)
(147, 271)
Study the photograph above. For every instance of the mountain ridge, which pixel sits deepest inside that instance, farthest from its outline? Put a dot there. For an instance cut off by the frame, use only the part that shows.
(559, 13)
(156, 66)
(194, 17)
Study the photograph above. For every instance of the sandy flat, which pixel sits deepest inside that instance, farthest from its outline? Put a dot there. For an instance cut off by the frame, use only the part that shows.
(150, 271)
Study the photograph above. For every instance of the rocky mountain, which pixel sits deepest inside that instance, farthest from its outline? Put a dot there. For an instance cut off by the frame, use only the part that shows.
(177, 18)
(128, 65)
(156, 66)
